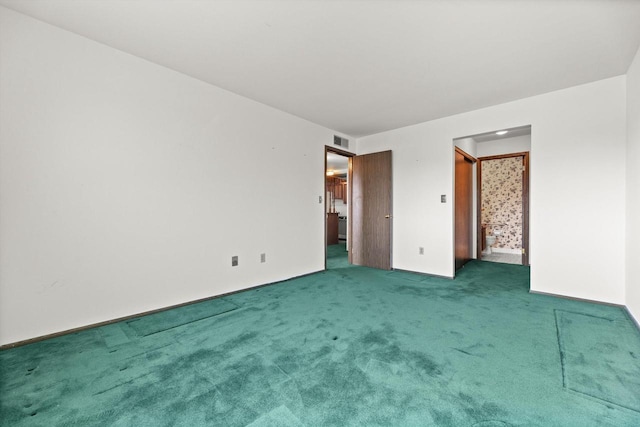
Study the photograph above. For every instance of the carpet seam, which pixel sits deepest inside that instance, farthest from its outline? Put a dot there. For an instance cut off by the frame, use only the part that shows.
(560, 349)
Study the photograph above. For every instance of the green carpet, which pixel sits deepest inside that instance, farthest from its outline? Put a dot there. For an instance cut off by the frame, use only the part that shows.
(337, 256)
(347, 346)
(162, 321)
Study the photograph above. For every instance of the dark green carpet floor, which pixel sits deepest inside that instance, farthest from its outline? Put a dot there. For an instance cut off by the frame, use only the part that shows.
(348, 346)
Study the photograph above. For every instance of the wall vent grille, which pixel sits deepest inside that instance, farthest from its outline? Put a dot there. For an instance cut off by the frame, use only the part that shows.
(340, 142)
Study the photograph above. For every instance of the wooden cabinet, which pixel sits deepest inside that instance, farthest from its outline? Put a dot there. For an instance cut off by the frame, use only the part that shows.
(337, 187)
(332, 229)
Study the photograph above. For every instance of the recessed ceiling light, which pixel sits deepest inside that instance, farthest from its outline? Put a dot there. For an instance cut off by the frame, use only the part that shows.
(501, 132)
(330, 173)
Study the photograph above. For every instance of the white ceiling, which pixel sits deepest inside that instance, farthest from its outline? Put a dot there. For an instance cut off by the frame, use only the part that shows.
(337, 163)
(362, 67)
(492, 136)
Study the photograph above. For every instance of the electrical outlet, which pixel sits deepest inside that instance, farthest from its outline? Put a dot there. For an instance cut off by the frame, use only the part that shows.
(234, 261)
(421, 250)
(263, 257)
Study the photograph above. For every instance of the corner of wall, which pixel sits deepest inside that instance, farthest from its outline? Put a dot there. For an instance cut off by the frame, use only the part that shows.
(632, 223)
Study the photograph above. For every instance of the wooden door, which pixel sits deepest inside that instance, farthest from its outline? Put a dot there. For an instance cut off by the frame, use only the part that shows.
(370, 210)
(332, 229)
(463, 208)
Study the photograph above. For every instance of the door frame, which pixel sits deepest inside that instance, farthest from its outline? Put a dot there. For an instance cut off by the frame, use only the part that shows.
(525, 201)
(349, 155)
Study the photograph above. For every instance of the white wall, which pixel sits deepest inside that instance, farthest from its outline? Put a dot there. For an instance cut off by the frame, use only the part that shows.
(633, 188)
(497, 147)
(577, 187)
(342, 208)
(126, 187)
(468, 145)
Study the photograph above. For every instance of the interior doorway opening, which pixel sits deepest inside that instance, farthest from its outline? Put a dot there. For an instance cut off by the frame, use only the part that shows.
(337, 178)
(500, 196)
(367, 195)
(503, 205)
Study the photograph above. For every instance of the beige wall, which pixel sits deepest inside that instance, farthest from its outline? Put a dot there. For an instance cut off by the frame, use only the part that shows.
(574, 132)
(633, 189)
(128, 187)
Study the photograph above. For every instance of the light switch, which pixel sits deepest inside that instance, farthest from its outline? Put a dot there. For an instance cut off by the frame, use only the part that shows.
(443, 198)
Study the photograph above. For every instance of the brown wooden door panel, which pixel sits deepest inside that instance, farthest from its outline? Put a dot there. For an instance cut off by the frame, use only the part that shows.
(463, 210)
(370, 210)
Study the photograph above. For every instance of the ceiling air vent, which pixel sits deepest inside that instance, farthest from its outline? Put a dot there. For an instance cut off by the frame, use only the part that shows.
(341, 142)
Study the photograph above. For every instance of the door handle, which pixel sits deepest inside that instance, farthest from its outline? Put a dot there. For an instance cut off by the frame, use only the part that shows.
(387, 216)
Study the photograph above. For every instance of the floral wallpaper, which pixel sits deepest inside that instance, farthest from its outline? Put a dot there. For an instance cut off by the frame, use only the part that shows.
(502, 200)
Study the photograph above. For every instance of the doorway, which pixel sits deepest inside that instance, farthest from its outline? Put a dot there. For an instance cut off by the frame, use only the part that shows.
(500, 228)
(337, 167)
(503, 208)
(364, 196)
